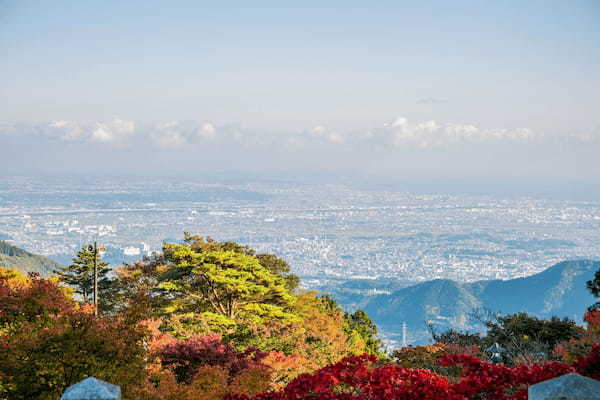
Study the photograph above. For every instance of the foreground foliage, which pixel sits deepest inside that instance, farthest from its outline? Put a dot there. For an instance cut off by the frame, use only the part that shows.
(214, 320)
(364, 377)
(48, 341)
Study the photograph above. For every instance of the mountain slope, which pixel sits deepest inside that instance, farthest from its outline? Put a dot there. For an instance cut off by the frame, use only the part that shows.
(560, 290)
(15, 258)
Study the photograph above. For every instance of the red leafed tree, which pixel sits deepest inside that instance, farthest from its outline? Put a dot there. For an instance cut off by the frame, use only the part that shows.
(185, 357)
(481, 379)
(48, 342)
(200, 368)
(361, 377)
(589, 365)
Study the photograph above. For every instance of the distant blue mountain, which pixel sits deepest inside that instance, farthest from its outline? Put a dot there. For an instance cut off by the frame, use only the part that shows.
(558, 291)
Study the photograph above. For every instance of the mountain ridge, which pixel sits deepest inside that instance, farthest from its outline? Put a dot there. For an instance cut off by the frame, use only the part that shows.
(13, 257)
(557, 291)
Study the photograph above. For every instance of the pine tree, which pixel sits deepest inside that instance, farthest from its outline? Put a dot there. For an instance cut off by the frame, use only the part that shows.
(593, 286)
(80, 275)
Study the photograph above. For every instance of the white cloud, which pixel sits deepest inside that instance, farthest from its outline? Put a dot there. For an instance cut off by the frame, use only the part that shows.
(207, 130)
(180, 133)
(66, 130)
(115, 131)
(402, 133)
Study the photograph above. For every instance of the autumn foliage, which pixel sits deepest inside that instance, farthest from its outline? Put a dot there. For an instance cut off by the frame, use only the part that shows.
(48, 342)
(575, 348)
(364, 377)
(209, 320)
(204, 367)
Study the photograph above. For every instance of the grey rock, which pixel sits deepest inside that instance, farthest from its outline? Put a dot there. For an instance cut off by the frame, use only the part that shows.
(566, 387)
(92, 389)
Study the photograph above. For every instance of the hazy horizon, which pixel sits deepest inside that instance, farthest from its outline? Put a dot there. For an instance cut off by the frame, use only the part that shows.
(465, 90)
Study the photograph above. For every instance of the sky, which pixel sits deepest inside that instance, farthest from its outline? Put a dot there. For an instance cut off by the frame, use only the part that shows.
(413, 89)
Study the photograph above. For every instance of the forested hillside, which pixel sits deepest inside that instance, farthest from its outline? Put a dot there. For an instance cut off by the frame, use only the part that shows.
(15, 258)
(449, 304)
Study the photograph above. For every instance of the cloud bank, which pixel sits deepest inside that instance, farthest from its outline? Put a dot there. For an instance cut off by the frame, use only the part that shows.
(398, 133)
(398, 147)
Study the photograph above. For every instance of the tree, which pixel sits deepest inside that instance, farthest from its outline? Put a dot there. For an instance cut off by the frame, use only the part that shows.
(578, 347)
(279, 267)
(271, 262)
(225, 284)
(456, 337)
(205, 368)
(187, 356)
(593, 286)
(139, 283)
(48, 342)
(362, 324)
(80, 276)
(13, 277)
(526, 337)
(317, 334)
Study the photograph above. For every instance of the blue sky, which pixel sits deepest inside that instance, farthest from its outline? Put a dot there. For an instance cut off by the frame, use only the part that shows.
(428, 82)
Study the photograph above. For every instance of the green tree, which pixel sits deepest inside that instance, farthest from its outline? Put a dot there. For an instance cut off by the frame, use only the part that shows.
(361, 323)
(457, 337)
(222, 284)
(80, 276)
(526, 337)
(593, 286)
(276, 265)
(279, 267)
(358, 326)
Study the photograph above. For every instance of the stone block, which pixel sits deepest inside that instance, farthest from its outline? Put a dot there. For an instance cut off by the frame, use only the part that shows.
(566, 387)
(92, 389)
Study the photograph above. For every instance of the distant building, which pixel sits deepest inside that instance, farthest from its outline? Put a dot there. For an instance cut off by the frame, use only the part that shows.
(131, 251)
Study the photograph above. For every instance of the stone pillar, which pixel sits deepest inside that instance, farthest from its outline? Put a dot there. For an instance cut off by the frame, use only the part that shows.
(566, 387)
(92, 389)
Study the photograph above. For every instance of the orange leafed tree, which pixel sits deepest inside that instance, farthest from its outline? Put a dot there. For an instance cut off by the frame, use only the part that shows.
(48, 342)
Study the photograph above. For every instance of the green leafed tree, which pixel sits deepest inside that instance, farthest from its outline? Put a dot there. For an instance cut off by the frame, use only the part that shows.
(593, 286)
(80, 276)
(527, 337)
(271, 262)
(360, 323)
(279, 267)
(224, 285)
(456, 337)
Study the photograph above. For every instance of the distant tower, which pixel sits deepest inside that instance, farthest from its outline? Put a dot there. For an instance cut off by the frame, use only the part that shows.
(404, 334)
